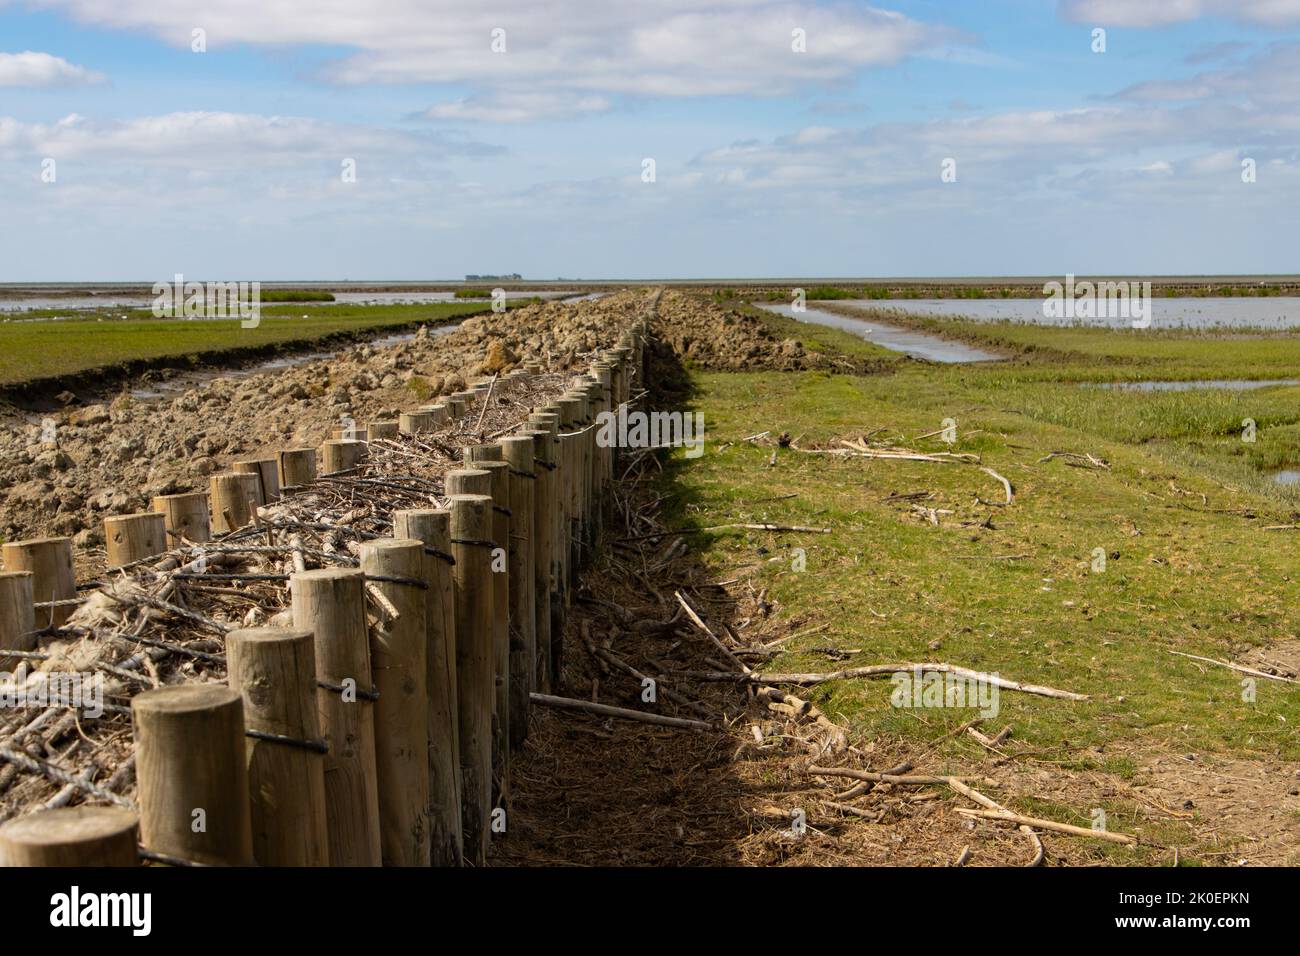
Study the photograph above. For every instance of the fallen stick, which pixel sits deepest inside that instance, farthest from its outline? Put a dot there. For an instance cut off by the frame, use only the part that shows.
(699, 622)
(1238, 668)
(952, 458)
(855, 811)
(1006, 485)
(1039, 851)
(724, 527)
(604, 710)
(992, 743)
(910, 780)
(1008, 817)
(885, 670)
(478, 426)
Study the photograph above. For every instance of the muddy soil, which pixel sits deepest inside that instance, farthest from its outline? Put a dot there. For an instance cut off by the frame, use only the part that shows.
(62, 472)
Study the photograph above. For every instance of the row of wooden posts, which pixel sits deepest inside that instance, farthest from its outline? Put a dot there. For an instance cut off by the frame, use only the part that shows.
(335, 743)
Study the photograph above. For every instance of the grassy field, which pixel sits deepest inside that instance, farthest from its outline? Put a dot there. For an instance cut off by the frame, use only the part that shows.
(39, 350)
(1180, 516)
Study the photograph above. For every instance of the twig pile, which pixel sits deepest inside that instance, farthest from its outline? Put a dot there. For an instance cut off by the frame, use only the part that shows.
(164, 621)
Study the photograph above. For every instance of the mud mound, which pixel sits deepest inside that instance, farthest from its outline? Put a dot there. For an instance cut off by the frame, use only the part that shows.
(706, 335)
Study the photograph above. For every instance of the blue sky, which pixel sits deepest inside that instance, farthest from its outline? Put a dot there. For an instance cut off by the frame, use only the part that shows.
(228, 163)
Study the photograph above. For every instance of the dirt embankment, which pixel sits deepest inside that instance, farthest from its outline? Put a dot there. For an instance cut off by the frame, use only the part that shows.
(710, 336)
(64, 471)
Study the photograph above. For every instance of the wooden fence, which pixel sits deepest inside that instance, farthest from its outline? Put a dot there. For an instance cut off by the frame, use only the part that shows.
(332, 742)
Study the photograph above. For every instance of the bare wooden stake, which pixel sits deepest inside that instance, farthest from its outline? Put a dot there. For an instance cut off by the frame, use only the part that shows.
(331, 603)
(433, 528)
(471, 530)
(17, 616)
(235, 497)
(185, 517)
(399, 664)
(523, 611)
(131, 538)
(274, 670)
(268, 476)
(50, 562)
(71, 836)
(193, 785)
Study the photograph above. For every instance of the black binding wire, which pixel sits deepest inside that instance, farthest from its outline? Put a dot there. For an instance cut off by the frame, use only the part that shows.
(434, 552)
(388, 579)
(156, 857)
(316, 746)
(476, 542)
(371, 695)
(523, 474)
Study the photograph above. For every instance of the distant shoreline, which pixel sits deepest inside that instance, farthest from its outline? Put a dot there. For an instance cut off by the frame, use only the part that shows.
(884, 287)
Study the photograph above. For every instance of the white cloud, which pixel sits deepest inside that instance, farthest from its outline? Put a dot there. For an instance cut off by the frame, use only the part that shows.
(214, 139)
(515, 107)
(660, 48)
(1157, 13)
(1268, 83)
(44, 70)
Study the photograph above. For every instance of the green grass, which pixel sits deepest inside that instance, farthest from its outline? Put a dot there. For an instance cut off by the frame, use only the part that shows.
(1180, 515)
(296, 295)
(36, 350)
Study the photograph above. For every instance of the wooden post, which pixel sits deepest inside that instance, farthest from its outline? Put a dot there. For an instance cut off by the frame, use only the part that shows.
(469, 481)
(71, 836)
(130, 538)
(235, 498)
(604, 372)
(378, 430)
(471, 532)
(399, 664)
(50, 562)
(185, 518)
(341, 454)
(353, 432)
(568, 471)
(268, 476)
(297, 467)
(413, 423)
(17, 616)
(455, 405)
(441, 414)
(192, 781)
(331, 603)
(522, 648)
(432, 527)
(542, 517)
(595, 405)
(501, 623)
(274, 670)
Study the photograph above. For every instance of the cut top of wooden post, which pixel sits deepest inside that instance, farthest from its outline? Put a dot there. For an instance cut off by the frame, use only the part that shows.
(71, 836)
(50, 562)
(132, 538)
